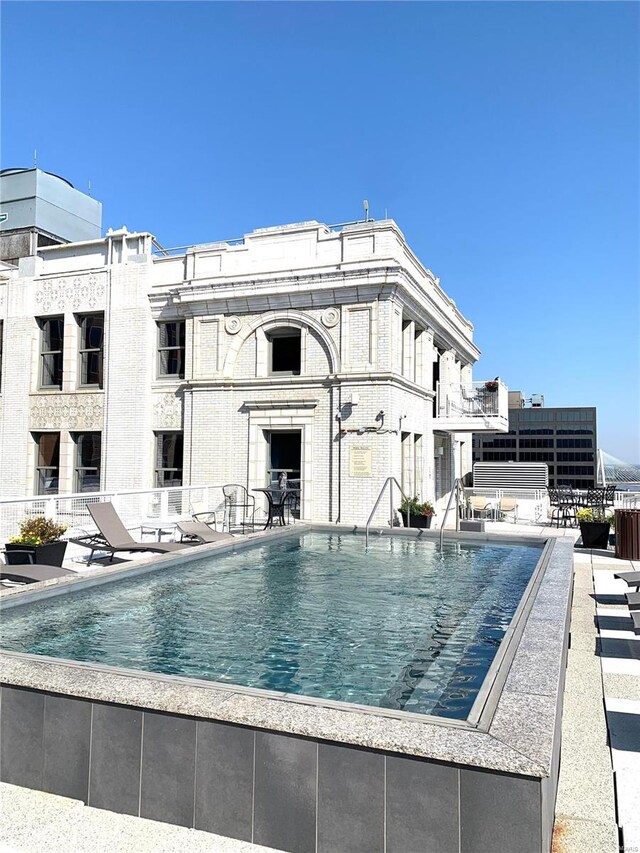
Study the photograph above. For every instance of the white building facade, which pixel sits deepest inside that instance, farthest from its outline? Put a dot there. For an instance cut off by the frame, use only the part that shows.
(330, 354)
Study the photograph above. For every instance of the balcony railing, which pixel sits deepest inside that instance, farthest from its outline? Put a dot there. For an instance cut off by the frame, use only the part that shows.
(473, 406)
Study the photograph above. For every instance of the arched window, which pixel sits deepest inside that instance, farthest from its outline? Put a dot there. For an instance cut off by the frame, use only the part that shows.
(284, 351)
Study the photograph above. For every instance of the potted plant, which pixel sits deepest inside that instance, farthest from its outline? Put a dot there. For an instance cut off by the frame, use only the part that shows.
(594, 527)
(420, 513)
(40, 537)
(612, 521)
(491, 386)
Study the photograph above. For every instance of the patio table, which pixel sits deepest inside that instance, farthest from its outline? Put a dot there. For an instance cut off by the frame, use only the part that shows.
(278, 499)
(159, 528)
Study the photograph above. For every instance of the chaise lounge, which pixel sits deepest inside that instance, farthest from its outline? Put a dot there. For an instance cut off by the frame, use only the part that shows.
(201, 532)
(32, 573)
(113, 536)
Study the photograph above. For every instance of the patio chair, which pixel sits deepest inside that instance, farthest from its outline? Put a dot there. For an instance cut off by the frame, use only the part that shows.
(114, 536)
(238, 503)
(609, 495)
(28, 571)
(507, 506)
(480, 505)
(200, 512)
(201, 532)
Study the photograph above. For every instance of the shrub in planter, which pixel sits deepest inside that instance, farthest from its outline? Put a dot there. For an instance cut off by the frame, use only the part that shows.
(420, 513)
(40, 538)
(594, 528)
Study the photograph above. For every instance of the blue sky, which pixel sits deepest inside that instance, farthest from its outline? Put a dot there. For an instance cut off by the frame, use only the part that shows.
(502, 137)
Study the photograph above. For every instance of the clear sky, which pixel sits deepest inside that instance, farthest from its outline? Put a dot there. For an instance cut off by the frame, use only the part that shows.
(502, 137)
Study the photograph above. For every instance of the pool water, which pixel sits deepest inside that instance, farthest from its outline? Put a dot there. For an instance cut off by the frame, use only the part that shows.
(402, 625)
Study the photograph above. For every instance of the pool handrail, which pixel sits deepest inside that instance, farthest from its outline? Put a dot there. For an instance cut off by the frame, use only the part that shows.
(457, 489)
(373, 511)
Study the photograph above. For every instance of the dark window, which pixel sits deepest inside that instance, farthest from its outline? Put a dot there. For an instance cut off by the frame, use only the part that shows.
(91, 344)
(499, 456)
(51, 348)
(168, 459)
(575, 456)
(499, 442)
(575, 442)
(535, 456)
(171, 337)
(285, 351)
(87, 469)
(575, 469)
(47, 462)
(536, 442)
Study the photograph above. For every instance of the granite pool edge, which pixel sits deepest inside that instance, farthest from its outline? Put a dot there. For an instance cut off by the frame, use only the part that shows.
(521, 738)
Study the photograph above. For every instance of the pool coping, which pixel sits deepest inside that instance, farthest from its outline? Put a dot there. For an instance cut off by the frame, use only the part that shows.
(519, 738)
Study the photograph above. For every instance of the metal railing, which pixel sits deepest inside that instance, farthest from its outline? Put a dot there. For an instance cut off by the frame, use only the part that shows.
(471, 399)
(388, 482)
(134, 506)
(456, 491)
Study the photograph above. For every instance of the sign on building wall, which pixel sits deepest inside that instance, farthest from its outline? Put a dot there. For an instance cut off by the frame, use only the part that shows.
(360, 461)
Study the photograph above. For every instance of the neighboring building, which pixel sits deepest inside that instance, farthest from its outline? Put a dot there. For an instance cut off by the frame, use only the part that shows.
(564, 438)
(40, 209)
(333, 355)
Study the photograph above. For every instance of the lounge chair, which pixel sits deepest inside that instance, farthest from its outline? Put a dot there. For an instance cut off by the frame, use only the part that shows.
(633, 600)
(200, 531)
(32, 573)
(114, 536)
(630, 578)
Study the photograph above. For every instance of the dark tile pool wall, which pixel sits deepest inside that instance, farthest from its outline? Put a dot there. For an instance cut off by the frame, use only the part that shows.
(293, 793)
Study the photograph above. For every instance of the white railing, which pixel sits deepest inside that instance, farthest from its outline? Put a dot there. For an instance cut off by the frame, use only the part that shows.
(472, 399)
(534, 505)
(134, 507)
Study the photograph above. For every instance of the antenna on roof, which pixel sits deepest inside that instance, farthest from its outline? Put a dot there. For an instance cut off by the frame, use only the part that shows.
(365, 204)
(35, 158)
(89, 189)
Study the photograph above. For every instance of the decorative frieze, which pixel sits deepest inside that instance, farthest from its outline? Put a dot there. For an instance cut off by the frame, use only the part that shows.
(167, 411)
(85, 291)
(67, 411)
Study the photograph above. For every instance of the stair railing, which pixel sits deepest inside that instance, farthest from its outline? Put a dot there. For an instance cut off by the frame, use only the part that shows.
(456, 491)
(388, 482)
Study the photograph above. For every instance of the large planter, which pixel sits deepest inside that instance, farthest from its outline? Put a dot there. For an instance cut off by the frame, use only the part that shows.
(51, 554)
(595, 534)
(422, 521)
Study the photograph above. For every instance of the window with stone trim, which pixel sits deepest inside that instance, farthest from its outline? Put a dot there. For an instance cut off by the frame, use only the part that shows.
(285, 351)
(51, 351)
(87, 467)
(169, 453)
(171, 346)
(91, 349)
(47, 462)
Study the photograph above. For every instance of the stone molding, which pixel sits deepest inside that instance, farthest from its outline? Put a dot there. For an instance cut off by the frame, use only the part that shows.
(67, 411)
(85, 291)
(167, 411)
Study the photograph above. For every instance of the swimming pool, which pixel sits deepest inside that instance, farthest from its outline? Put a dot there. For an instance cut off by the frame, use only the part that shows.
(402, 626)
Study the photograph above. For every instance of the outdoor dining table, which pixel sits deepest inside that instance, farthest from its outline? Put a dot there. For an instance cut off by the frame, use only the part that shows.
(278, 500)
